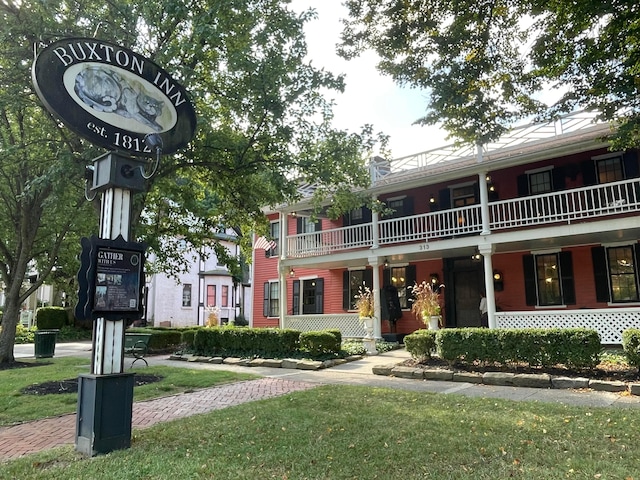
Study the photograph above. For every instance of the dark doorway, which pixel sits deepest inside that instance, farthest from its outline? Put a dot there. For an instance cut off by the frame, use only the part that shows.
(464, 284)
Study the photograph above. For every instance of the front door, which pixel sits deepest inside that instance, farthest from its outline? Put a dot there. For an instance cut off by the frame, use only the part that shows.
(463, 289)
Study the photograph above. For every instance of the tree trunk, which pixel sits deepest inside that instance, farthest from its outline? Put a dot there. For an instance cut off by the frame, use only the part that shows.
(10, 320)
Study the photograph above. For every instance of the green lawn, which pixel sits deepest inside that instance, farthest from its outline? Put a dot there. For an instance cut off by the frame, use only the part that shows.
(348, 432)
(16, 407)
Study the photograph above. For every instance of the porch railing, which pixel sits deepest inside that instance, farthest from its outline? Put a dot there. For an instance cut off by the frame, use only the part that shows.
(608, 322)
(565, 206)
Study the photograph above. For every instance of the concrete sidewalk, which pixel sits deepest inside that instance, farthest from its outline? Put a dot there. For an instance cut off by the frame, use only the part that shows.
(19, 440)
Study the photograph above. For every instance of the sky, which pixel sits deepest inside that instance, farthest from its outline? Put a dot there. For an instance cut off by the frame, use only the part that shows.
(369, 97)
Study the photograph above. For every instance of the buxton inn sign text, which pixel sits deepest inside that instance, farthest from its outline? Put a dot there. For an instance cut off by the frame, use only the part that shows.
(112, 96)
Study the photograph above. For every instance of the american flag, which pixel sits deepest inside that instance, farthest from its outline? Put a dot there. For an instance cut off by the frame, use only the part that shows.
(264, 243)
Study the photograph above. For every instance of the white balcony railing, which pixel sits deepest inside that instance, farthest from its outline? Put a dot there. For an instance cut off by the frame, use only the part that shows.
(565, 206)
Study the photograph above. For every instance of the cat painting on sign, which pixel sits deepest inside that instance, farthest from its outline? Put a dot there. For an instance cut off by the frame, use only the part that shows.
(105, 90)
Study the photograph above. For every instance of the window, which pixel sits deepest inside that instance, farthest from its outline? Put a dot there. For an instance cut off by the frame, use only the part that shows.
(609, 169)
(615, 273)
(464, 195)
(308, 296)
(211, 295)
(186, 295)
(401, 206)
(274, 234)
(549, 279)
(271, 305)
(402, 278)
(224, 301)
(540, 182)
(352, 281)
(305, 225)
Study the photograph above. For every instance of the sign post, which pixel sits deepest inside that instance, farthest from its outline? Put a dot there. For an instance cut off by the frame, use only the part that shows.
(127, 104)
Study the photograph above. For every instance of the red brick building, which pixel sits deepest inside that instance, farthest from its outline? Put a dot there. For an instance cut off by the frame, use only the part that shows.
(545, 221)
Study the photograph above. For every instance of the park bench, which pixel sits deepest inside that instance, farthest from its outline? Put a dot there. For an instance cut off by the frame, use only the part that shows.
(137, 345)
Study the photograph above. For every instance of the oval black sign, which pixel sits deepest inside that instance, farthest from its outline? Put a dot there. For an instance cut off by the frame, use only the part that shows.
(112, 96)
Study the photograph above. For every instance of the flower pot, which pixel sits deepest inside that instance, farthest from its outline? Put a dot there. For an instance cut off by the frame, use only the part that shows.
(434, 322)
(367, 324)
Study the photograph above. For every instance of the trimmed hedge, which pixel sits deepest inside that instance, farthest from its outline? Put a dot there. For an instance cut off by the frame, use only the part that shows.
(631, 346)
(321, 342)
(572, 347)
(162, 339)
(50, 318)
(246, 342)
(421, 343)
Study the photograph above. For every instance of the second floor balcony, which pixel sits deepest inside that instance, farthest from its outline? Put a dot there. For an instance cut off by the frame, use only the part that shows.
(563, 207)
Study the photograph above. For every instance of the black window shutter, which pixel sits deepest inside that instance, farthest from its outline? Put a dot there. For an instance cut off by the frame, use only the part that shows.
(566, 278)
(296, 297)
(346, 301)
(346, 219)
(368, 277)
(410, 281)
(265, 301)
(600, 273)
(407, 207)
(386, 276)
(588, 168)
(444, 199)
(630, 160)
(476, 193)
(366, 215)
(523, 185)
(318, 225)
(529, 267)
(298, 225)
(319, 295)
(558, 178)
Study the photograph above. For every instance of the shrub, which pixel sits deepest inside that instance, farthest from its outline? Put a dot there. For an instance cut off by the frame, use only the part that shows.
(321, 342)
(631, 346)
(246, 342)
(573, 347)
(162, 339)
(48, 318)
(240, 321)
(24, 335)
(420, 343)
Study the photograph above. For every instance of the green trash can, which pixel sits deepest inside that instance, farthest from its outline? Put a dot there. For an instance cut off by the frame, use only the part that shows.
(45, 343)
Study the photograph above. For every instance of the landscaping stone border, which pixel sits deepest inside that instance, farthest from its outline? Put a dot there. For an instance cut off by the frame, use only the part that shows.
(532, 380)
(291, 363)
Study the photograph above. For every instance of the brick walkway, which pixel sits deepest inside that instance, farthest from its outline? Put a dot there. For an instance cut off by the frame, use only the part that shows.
(31, 437)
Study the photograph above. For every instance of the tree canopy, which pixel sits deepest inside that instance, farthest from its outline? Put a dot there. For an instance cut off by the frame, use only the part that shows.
(263, 129)
(486, 64)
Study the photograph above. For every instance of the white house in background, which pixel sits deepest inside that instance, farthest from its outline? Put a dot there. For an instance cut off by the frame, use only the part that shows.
(207, 286)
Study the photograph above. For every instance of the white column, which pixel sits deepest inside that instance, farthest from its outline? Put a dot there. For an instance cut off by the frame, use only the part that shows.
(375, 231)
(484, 195)
(486, 251)
(377, 324)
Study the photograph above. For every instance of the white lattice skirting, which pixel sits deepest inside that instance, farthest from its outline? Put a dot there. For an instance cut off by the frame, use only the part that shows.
(347, 323)
(608, 322)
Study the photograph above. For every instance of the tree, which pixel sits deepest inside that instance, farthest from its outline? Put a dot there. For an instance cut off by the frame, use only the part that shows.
(487, 63)
(263, 128)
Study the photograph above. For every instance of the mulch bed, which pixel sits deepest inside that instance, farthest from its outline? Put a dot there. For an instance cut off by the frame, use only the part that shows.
(71, 385)
(18, 364)
(604, 371)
